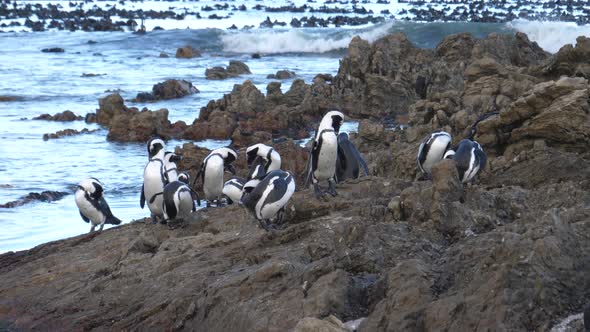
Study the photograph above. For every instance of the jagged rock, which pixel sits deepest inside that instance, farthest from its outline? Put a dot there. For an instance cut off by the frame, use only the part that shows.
(170, 89)
(109, 107)
(67, 132)
(234, 69)
(569, 60)
(187, 52)
(45, 196)
(311, 324)
(456, 47)
(63, 116)
(139, 126)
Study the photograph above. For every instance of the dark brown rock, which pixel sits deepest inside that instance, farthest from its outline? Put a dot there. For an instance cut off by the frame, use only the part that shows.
(109, 107)
(171, 89)
(234, 69)
(282, 75)
(67, 132)
(45, 196)
(140, 126)
(63, 116)
(187, 52)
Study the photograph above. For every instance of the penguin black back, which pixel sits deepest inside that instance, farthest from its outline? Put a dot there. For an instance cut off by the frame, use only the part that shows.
(349, 160)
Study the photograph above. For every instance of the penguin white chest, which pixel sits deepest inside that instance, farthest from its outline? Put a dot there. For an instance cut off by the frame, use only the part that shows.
(87, 209)
(326, 164)
(153, 185)
(213, 180)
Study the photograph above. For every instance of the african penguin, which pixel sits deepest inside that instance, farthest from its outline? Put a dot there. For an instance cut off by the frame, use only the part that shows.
(154, 180)
(266, 198)
(432, 149)
(184, 177)
(232, 189)
(470, 159)
(170, 171)
(92, 205)
(257, 168)
(178, 201)
(349, 160)
(322, 162)
(212, 170)
(270, 156)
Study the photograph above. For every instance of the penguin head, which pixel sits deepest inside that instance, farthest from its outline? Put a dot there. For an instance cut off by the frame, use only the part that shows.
(257, 170)
(155, 145)
(171, 157)
(92, 186)
(256, 150)
(249, 187)
(184, 177)
(332, 120)
(228, 154)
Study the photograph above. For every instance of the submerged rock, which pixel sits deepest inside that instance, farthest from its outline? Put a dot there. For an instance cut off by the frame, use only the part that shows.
(187, 52)
(67, 132)
(234, 69)
(45, 196)
(63, 116)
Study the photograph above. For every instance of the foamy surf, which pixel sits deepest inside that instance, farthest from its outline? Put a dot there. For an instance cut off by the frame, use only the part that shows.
(297, 40)
(551, 36)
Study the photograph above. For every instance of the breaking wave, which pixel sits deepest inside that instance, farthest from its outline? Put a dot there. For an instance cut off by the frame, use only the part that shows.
(551, 36)
(298, 40)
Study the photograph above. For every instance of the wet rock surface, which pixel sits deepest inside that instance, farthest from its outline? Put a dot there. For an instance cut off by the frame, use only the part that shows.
(63, 116)
(509, 251)
(234, 69)
(67, 132)
(45, 196)
(169, 89)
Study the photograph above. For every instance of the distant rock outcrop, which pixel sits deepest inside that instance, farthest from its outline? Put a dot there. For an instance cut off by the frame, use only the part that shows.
(63, 116)
(187, 52)
(234, 69)
(168, 89)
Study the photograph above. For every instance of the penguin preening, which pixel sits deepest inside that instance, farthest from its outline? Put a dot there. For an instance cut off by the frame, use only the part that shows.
(271, 158)
(322, 162)
(178, 201)
(212, 170)
(257, 168)
(470, 159)
(349, 160)
(232, 189)
(266, 198)
(432, 150)
(92, 205)
(184, 177)
(154, 179)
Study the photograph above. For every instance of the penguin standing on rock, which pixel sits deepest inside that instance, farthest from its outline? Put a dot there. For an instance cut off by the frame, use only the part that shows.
(432, 150)
(92, 205)
(178, 201)
(272, 159)
(349, 160)
(154, 180)
(266, 198)
(470, 159)
(322, 162)
(212, 170)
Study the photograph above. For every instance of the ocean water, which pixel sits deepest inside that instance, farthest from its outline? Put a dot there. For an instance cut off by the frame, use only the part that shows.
(130, 63)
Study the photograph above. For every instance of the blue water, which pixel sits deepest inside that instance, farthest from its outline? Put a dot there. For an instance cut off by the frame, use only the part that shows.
(51, 83)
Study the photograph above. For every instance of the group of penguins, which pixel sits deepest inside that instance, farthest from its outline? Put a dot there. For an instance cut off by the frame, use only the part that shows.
(267, 189)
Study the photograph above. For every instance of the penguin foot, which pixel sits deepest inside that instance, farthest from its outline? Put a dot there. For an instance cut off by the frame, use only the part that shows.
(319, 194)
(332, 188)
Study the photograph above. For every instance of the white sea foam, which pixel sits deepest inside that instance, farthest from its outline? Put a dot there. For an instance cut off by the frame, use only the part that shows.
(551, 36)
(296, 40)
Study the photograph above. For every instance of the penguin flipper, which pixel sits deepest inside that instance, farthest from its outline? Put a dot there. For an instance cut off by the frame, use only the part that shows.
(142, 198)
(106, 210)
(84, 217)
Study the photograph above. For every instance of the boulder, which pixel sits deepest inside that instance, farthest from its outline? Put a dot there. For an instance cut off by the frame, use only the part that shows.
(63, 116)
(282, 75)
(187, 52)
(171, 89)
(109, 107)
(140, 126)
(67, 132)
(234, 69)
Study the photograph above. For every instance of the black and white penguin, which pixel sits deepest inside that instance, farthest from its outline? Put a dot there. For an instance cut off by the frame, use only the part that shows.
(257, 168)
(349, 160)
(272, 159)
(470, 159)
(322, 162)
(184, 177)
(212, 170)
(170, 171)
(266, 198)
(154, 180)
(232, 189)
(178, 201)
(92, 205)
(432, 150)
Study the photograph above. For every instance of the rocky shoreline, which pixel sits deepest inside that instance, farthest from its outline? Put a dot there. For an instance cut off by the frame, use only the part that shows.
(391, 252)
(86, 16)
